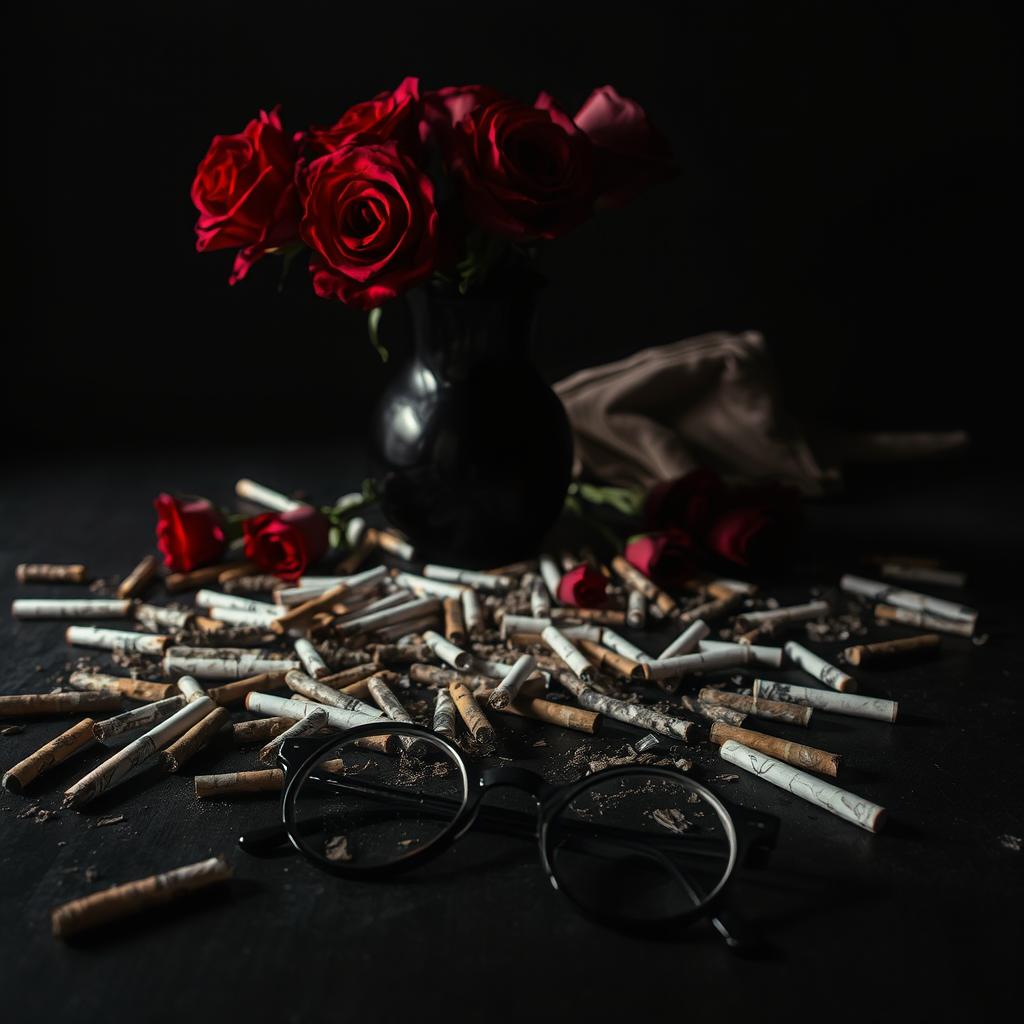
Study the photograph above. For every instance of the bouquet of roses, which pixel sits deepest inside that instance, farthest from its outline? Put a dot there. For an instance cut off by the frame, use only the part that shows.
(414, 184)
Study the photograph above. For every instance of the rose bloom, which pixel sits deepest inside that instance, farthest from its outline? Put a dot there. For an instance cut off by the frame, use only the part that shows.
(757, 527)
(666, 557)
(525, 171)
(370, 221)
(689, 502)
(245, 192)
(189, 532)
(389, 115)
(629, 154)
(444, 108)
(286, 543)
(583, 587)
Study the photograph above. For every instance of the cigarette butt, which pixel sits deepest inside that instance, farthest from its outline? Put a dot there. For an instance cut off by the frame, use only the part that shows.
(177, 581)
(72, 608)
(116, 640)
(28, 704)
(133, 689)
(448, 652)
(365, 546)
(198, 737)
(121, 728)
(760, 707)
(444, 721)
(349, 680)
(712, 712)
(44, 572)
(190, 689)
(635, 579)
(710, 610)
(861, 653)
(876, 708)
(265, 780)
(454, 624)
(567, 716)
(503, 695)
(640, 715)
(392, 544)
(258, 494)
(564, 649)
(300, 614)
(617, 664)
(923, 620)
(385, 699)
(236, 572)
(231, 692)
(475, 720)
(799, 754)
(124, 900)
(636, 610)
(313, 723)
(311, 660)
(139, 578)
(59, 749)
(820, 669)
(261, 730)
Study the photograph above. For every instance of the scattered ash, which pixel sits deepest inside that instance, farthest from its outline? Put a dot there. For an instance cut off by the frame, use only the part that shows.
(1011, 842)
(336, 848)
(38, 814)
(670, 818)
(541, 743)
(104, 587)
(11, 730)
(110, 819)
(726, 778)
(980, 640)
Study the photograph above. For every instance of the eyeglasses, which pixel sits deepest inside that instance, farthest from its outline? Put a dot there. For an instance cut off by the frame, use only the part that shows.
(635, 847)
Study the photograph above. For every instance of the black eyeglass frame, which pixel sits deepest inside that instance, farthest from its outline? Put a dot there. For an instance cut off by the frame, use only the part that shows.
(751, 834)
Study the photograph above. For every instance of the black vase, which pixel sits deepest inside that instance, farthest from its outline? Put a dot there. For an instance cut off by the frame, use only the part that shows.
(476, 448)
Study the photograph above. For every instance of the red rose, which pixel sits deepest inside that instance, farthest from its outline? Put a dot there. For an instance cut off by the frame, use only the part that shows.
(371, 222)
(286, 543)
(245, 192)
(445, 108)
(629, 154)
(666, 557)
(525, 170)
(189, 532)
(389, 115)
(757, 527)
(583, 587)
(690, 502)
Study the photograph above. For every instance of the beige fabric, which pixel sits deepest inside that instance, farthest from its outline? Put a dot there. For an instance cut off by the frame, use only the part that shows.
(705, 401)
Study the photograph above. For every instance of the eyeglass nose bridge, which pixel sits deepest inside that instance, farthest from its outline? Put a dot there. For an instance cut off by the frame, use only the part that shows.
(514, 778)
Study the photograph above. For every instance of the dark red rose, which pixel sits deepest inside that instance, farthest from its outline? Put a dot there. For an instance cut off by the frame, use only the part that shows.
(629, 154)
(286, 543)
(757, 527)
(444, 108)
(189, 532)
(583, 587)
(245, 193)
(389, 115)
(370, 221)
(689, 502)
(525, 171)
(667, 557)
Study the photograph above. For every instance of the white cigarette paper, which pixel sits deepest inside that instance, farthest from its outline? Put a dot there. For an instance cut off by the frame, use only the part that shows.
(370, 604)
(478, 580)
(472, 613)
(302, 684)
(620, 645)
(564, 648)
(687, 641)
(636, 610)
(444, 723)
(417, 608)
(190, 688)
(249, 490)
(434, 587)
(841, 803)
(506, 691)
(241, 617)
(672, 668)
(138, 755)
(924, 574)
(155, 617)
(282, 707)
(311, 660)
(62, 608)
(906, 617)
(794, 613)
(240, 667)
(551, 575)
(819, 668)
(910, 599)
(827, 700)
(769, 657)
(528, 624)
(215, 599)
(115, 640)
(540, 600)
(313, 722)
(131, 724)
(448, 652)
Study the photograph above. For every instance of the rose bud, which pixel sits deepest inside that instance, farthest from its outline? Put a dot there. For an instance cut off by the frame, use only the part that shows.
(758, 527)
(245, 193)
(389, 115)
(689, 502)
(189, 532)
(371, 222)
(629, 154)
(445, 108)
(583, 587)
(286, 543)
(525, 171)
(666, 557)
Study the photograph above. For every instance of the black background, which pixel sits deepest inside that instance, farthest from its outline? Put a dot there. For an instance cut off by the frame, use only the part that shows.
(845, 187)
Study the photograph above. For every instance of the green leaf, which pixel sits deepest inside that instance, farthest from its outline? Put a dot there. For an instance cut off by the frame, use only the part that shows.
(373, 323)
(626, 500)
(335, 536)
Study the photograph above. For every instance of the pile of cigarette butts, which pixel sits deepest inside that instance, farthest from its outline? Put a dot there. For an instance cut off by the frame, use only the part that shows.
(326, 653)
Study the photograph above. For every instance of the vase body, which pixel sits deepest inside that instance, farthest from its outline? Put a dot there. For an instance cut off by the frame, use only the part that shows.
(476, 448)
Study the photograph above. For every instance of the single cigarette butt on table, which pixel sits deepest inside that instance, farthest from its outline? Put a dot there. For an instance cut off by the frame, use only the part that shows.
(241, 617)
(798, 754)
(838, 801)
(701, 661)
(885, 613)
(759, 707)
(454, 624)
(177, 581)
(551, 576)
(129, 724)
(190, 688)
(43, 572)
(870, 653)
(70, 608)
(224, 663)
(488, 581)
(768, 657)
(313, 664)
(385, 699)
(794, 613)
(568, 716)
(820, 669)
(444, 720)
(910, 599)
(139, 578)
(712, 712)
(710, 610)
(300, 683)
(264, 780)
(640, 715)
(29, 704)
(230, 692)
(636, 580)
(431, 675)
(876, 708)
(597, 616)
(613, 641)
(540, 599)
(564, 648)
(122, 901)
(686, 642)
(636, 610)
(299, 615)
(245, 734)
(157, 618)
(472, 612)
(505, 692)
(250, 490)
(133, 689)
(448, 652)
(116, 640)
(190, 743)
(476, 722)
(58, 750)
(392, 544)
(421, 586)
(605, 658)
(313, 723)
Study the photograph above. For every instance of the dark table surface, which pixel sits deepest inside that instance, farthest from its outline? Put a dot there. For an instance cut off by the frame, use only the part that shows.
(926, 914)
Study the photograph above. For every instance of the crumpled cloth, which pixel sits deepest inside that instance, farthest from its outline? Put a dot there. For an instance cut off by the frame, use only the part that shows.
(712, 401)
